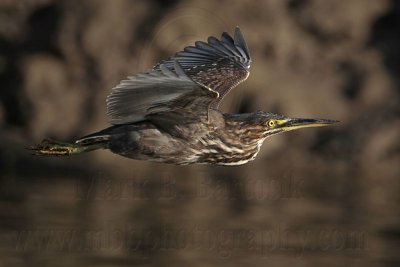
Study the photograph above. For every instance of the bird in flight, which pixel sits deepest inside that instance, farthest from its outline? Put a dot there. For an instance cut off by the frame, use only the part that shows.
(170, 114)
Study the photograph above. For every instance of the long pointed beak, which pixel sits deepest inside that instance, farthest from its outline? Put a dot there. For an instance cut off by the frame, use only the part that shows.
(297, 123)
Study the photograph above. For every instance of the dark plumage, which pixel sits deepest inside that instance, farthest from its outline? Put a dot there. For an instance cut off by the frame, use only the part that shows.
(170, 113)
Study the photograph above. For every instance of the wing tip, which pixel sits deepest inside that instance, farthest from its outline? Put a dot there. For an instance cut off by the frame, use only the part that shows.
(240, 41)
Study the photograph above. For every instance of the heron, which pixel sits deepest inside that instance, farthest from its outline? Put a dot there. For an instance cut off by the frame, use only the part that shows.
(171, 113)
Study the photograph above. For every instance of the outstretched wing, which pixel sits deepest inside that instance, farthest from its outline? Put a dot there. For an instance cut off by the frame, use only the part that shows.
(160, 92)
(218, 64)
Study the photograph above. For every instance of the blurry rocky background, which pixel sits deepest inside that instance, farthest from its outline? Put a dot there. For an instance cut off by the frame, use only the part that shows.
(320, 197)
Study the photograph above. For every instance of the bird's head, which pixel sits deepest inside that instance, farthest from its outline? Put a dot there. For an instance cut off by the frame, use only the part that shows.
(261, 125)
(273, 123)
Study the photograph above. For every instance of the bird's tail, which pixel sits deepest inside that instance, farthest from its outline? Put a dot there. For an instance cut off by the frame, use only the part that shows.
(57, 149)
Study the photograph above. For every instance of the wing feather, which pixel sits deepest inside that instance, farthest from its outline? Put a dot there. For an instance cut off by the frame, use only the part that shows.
(160, 92)
(217, 64)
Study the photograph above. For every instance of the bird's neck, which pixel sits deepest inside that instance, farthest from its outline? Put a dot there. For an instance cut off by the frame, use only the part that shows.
(234, 140)
(245, 127)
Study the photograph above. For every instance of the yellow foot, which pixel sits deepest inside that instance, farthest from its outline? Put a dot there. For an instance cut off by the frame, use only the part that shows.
(52, 148)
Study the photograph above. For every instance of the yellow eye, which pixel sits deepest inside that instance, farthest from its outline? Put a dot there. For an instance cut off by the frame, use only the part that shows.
(271, 123)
